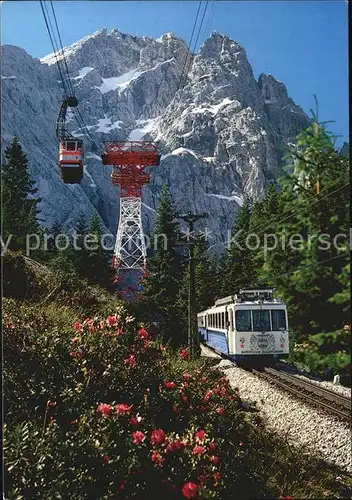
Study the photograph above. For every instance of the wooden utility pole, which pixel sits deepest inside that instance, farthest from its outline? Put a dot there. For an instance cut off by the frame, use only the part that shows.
(193, 337)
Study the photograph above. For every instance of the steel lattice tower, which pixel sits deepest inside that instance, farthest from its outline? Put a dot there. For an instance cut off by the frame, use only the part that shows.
(129, 160)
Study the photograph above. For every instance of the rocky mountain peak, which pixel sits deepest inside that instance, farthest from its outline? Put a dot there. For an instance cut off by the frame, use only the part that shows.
(221, 133)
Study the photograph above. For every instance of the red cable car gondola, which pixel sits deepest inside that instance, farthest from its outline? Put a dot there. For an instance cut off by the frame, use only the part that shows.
(71, 149)
(71, 160)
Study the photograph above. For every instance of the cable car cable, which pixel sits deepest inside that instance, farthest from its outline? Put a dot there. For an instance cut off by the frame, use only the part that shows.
(69, 82)
(317, 263)
(53, 46)
(189, 47)
(62, 50)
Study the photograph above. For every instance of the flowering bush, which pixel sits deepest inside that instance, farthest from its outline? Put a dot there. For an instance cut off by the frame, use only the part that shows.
(101, 409)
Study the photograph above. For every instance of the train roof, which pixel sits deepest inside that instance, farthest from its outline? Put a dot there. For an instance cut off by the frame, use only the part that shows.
(248, 296)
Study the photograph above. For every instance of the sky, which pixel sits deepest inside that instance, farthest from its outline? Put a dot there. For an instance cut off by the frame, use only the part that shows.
(304, 43)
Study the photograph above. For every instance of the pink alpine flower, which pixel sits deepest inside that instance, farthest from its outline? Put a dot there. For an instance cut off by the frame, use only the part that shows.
(157, 458)
(157, 436)
(220, 411)
(184, 354)
(143, 334)
(106, 459)
(77, 326)
(200, 435)
(135, 421)
(187, 376)
(138, 437)
(208, 395)
(111, 320)
(198, 450)
(175, 446)
(122, 409)
(169, 384)
(104, 408)
(189, 490)
(130, 361)
(214, 460)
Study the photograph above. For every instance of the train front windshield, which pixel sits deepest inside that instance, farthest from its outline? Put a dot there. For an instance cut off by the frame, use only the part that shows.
(254, 320)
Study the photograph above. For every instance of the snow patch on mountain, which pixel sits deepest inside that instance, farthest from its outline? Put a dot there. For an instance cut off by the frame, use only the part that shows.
(214, 108)
(83, 72)
(118, 82)
(180, 151)
(105, 125)
(138, 133)
(237, 199)
(93, 184)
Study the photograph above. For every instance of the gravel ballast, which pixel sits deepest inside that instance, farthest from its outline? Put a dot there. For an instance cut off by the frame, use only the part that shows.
(298, 422)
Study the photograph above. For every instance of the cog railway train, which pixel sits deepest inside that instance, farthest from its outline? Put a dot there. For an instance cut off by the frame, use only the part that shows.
(251, 326)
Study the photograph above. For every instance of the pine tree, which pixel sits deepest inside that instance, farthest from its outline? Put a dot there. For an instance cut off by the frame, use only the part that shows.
(81, 254)
(239, 264)
(314, 201)
(97, 265)
(19, 212)
(264, 213)
(205, 276)
(165, 270)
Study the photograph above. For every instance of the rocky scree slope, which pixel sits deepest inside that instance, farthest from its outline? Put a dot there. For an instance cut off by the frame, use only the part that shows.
(221, 137)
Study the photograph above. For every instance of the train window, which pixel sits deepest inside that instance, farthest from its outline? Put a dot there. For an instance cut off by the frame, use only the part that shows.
(223, 320)
(261, 320)
(278, 319)
(243, 321)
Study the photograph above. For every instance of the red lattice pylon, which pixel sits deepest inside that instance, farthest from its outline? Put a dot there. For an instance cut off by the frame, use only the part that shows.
(129, 160)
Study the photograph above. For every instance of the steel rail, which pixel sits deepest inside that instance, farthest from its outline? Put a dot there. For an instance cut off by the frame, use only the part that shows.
(312, 393)
(321, 397)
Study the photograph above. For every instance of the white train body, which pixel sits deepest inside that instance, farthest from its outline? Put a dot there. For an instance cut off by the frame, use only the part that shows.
(250, 323)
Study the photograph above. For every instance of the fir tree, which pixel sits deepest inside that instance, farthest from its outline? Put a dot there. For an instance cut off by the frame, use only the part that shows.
(262, 223)
(162, 286)
(314, 201)
(97, 266)
(205, 276)
(81, 253)
(239, 264)
(19, 212)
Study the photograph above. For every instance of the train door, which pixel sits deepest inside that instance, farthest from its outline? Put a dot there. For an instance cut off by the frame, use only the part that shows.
(230, 330)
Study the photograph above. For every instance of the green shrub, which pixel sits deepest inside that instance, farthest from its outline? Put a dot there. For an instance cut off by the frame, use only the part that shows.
(19, 280)
(102, 409)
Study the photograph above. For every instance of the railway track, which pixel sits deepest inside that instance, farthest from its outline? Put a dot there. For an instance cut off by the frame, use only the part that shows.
(329, 401)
